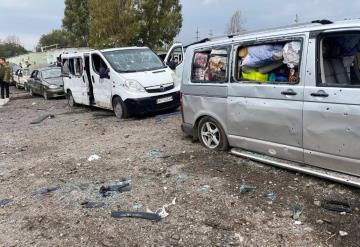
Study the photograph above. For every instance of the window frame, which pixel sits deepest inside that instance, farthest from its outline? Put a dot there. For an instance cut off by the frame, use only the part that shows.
(267, 41)
(228, 48)
(93, 65)
(319, 52)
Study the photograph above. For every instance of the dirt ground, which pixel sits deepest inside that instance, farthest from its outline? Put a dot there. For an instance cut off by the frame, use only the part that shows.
(162, 165)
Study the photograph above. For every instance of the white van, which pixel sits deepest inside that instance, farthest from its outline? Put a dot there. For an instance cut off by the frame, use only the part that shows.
(129, 81)
(292, 95)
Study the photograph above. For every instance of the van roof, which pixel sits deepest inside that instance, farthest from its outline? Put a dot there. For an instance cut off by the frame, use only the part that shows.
(77, 54)
(318, 25)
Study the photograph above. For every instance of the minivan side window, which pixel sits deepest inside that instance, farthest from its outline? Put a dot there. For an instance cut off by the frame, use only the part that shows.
(269, 63)
(98, 64)
(78, 66)
(339, 60)
(211, 66)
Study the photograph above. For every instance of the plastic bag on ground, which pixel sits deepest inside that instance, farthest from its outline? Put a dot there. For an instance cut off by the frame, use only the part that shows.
(261, 55)
(291, 54)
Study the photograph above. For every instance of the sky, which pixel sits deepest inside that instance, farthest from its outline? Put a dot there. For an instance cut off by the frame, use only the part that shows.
(29, 19)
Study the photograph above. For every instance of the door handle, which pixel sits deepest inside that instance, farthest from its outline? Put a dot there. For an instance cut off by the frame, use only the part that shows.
(320, 94)
(289, 93)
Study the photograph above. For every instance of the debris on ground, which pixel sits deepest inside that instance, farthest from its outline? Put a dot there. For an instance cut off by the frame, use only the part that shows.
(204, 188)
(343, 233)
(42, 118)
(270, 196)
(317, 203)
(139, 215)
(138, 205)
(180, 179)
(4, 202)
(154, 153)
(89, 205)
(94, 157)
(297, 211)
(120, 187)
(160, 118)
(162, 211)
(244, 188)
(45, 191)
(337, 206)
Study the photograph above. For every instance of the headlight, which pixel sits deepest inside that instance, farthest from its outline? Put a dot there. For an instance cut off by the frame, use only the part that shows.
(134, 86)
(53, 87)
(175, 79)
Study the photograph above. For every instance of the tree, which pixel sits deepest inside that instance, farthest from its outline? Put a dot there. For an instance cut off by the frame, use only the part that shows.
(112, 23)
(160, 21)
(56, 37)
(236, 23)
(11, 47)
(76, 22)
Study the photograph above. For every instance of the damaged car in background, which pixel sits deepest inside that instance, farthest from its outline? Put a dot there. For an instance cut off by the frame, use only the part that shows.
(291, 95)
(47, 82)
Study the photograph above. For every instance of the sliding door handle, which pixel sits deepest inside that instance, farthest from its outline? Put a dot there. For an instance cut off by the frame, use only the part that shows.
(289, 93)
(320, 94)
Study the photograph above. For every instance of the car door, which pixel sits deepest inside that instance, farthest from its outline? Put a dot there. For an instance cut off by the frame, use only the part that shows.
(174, 59)
(102, 87)
(79, 80)
(332, 101)
(38, 83)
(264, 116)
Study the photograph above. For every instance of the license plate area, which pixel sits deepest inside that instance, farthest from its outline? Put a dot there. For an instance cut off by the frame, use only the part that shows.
(164, 100)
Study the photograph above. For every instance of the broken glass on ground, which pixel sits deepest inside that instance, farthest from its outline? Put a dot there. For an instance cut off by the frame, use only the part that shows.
(204, 188)
(94, 157)
(180, 179)
(155, 154)
(244, 188)
(270, 196)
(107, 190)
(4, 202)
(297, 211)
(45, 191)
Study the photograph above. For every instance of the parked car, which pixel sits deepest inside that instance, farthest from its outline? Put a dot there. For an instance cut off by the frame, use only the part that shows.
(47, 82)
(129, 81)
(21, 78)
(290, 94)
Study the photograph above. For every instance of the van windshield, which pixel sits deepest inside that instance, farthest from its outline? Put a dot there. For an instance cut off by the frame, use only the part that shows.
(134, 60)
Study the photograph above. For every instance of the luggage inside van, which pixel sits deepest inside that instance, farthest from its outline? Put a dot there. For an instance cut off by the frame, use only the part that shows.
(271, 63)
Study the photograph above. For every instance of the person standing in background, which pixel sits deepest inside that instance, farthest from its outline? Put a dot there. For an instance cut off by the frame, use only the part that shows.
(5, 80)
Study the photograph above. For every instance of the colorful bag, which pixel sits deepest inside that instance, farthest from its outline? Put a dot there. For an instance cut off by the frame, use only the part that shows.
(201, 60)
(291, 54)
(255, 76)
(261, 55)
(217, 68)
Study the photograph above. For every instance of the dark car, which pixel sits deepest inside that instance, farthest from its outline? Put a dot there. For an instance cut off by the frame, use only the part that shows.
(47, 82)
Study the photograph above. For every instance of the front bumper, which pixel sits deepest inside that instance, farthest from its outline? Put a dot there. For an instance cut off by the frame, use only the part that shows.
(55, 93)
(149, 104)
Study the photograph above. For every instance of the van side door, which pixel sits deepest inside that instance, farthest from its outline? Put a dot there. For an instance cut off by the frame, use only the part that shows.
(265, 102)
(102, 84)
(332, 101)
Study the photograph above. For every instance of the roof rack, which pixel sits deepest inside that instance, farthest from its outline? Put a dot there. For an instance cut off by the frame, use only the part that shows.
(323, 22)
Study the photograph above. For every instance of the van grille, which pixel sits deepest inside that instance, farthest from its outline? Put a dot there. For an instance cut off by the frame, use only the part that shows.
(161, 88)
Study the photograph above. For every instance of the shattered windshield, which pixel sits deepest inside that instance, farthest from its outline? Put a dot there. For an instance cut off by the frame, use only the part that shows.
(134, 60)
(51, 73)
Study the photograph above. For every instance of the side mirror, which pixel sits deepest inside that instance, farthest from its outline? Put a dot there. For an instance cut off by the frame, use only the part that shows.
(171, 65)
(105, 74)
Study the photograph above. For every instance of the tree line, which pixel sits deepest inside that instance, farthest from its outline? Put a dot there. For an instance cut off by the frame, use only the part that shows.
(114, 23)
(10, 47)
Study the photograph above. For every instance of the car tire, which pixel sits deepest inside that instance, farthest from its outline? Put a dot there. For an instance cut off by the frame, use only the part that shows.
(70, 99)
(212, 135)
(120, 108)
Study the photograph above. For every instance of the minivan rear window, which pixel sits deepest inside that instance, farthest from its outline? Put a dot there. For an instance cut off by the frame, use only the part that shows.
(210, 66)
(269, 63)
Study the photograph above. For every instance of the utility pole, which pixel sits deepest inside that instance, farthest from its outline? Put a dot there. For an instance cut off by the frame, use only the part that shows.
(197, 34)
(297, 19)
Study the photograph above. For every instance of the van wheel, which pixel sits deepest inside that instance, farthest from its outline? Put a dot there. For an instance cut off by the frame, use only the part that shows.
(70, 98)
(120, 109)
(212, 135)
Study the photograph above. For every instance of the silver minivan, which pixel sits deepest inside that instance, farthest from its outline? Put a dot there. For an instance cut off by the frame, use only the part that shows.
(292, 95)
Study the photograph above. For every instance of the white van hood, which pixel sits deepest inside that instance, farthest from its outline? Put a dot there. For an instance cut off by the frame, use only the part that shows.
(151, 78)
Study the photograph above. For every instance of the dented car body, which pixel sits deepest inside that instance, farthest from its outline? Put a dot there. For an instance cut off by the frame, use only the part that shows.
(311, 117)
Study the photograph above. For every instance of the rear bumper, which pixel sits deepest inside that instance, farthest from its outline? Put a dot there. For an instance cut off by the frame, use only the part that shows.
(149, 104)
